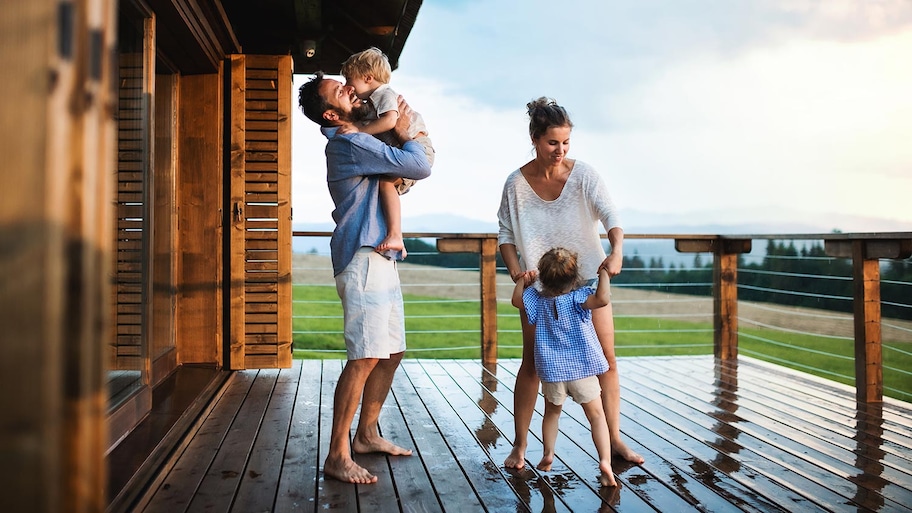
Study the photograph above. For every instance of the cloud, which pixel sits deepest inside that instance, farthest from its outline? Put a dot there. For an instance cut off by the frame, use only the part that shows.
(705, 106)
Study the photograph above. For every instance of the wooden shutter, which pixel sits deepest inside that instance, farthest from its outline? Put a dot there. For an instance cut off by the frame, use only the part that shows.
(131, 213)
(260, 211)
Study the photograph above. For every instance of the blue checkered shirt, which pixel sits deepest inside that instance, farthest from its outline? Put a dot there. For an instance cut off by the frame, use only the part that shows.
(566, 346)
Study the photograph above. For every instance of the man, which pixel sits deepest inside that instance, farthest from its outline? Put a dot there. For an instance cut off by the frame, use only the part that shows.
(367, 282)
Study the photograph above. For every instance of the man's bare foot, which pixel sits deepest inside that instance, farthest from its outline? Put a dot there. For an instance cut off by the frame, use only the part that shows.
(625, 453)
(516, 459)
(392, 243)
(545, 463)
(347, 471)
(607, 476)
(378, 445)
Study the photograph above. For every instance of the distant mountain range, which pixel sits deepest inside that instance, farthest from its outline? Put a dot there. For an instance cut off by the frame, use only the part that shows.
(737, 221)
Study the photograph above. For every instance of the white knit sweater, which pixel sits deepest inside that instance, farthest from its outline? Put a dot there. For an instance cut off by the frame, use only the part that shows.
(571, 221)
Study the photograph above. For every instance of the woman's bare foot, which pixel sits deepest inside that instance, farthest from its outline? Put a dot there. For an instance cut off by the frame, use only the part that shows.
(378, 445)
(625, 453)
(607, 476)
(392, 243)
(545, 463)
(516, 459)
(347, 471)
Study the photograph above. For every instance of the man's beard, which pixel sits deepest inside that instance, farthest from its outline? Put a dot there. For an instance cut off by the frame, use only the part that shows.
(360, 112)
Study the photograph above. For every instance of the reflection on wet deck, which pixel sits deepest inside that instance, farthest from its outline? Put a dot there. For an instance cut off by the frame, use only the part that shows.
(744, 436)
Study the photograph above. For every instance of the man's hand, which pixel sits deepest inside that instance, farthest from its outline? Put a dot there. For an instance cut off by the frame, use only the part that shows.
(401, 130)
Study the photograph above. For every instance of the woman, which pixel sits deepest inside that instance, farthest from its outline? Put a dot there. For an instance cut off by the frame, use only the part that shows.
(555, 201)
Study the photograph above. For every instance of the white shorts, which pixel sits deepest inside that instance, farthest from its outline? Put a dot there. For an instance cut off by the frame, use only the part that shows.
(581, 390)
(371, 306)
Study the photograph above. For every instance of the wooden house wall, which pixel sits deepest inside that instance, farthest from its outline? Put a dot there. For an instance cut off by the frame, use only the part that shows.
(56, 217)
(198, 314)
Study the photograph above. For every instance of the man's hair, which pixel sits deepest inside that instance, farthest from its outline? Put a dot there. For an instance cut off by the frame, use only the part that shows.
(371, 62)
(311, 102)
(558, 271)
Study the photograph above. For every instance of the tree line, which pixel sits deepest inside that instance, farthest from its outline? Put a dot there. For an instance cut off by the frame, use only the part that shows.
(787, 275)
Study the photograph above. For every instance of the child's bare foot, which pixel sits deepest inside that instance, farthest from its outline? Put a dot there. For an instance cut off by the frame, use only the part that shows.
(516, 459)
(545, 463)
(607, 476)
(625, 453)
(392, 243)
(347, 471)
(378, 445)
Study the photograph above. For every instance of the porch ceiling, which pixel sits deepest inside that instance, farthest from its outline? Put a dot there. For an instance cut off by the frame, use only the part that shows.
(334, 29)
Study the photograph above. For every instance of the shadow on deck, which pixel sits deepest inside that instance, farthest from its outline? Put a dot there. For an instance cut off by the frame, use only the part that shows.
(740, 436)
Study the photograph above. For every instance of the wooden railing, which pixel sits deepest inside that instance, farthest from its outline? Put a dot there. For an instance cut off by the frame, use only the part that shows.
(865, 251)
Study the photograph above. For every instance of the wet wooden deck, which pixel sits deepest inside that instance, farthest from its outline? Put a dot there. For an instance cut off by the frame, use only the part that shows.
(733, 437)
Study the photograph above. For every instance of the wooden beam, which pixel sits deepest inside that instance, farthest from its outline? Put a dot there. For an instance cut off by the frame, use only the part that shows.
(873, 248)
(459, 245)
(705, 245)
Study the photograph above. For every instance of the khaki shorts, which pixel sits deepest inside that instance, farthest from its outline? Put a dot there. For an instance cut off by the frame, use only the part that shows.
(371, 306)
(581, 390)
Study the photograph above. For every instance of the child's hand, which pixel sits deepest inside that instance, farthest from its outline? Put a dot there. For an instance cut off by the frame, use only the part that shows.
(528, 277)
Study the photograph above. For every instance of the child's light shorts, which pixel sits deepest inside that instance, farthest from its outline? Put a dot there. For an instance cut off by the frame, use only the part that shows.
(372, 306)
(581, 390)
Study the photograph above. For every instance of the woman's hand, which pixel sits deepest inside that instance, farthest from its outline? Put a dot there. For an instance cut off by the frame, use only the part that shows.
(612, 264)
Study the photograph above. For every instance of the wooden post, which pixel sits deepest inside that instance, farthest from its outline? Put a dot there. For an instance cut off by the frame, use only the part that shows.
(868, 342)
(725, 288)
(865, 255)
(725, 305)
(486, 247)
(489, 301)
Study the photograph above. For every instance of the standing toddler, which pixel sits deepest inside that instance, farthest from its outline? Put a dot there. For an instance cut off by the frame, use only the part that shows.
(568, 356)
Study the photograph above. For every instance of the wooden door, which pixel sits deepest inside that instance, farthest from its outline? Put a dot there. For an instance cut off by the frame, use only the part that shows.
(259, 212)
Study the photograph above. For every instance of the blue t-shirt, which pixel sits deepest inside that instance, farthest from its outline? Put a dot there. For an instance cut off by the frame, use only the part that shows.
(354, 164)
(566, 346)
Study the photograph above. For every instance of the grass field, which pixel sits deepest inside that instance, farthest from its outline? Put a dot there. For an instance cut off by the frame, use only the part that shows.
(439, 328)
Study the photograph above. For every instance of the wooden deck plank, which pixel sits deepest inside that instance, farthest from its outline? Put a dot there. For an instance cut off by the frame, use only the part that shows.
(450, 484)
(411, 476)
(834, 456)
(220, 484)
(260, 479)
(711, 447)
(177, 490)
(300, 468)
(341, 496)
(491, 486)
(753, 438)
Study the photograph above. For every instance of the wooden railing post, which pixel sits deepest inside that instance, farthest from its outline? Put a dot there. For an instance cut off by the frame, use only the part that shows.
(865, 255)
(486, 247)
(725, 288)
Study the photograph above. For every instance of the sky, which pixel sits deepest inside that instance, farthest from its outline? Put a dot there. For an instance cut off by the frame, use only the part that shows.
(780, 112)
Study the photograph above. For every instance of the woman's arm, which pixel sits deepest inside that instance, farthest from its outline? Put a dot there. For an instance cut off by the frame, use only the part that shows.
(615, 260)
(511, 260)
